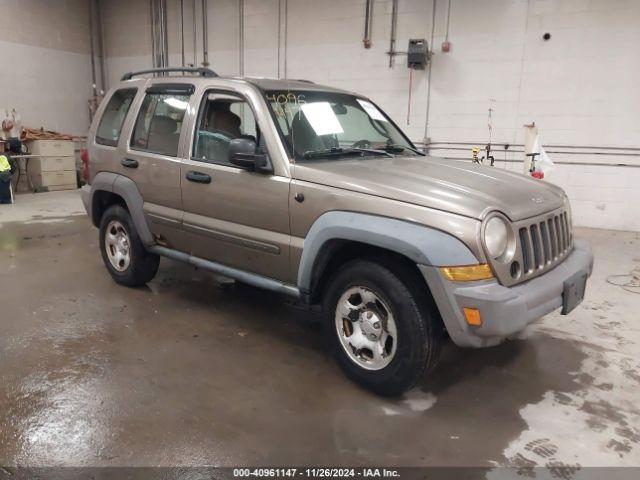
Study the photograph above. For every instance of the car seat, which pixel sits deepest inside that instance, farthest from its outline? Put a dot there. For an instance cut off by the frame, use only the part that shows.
(304, 138)
(163, 137)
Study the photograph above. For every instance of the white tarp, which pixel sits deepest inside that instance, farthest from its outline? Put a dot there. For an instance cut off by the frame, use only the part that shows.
(543, 162)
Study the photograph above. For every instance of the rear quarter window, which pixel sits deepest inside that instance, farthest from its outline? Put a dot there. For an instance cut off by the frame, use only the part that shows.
(113, 117)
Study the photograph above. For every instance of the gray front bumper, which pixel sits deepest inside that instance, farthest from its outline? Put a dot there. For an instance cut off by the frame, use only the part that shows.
(504, 310)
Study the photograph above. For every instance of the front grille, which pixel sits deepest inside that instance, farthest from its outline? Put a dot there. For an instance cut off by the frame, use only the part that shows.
(540, 243)
(544, 242)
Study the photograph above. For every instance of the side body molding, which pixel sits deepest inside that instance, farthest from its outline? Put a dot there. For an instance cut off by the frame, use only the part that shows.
(423, 245)
(126, 188)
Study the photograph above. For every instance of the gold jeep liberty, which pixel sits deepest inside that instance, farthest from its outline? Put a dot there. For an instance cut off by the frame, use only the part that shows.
(315, 193)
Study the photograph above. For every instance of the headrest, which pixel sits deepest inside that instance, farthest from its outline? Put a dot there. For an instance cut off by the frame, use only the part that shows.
(163, 125)
(303, 137)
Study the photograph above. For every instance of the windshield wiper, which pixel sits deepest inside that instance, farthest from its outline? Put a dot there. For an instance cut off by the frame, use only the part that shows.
(372, 150)
(397, 148)
(341, 152)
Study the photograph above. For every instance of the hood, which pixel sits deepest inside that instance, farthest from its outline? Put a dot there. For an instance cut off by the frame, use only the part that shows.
(454, 186)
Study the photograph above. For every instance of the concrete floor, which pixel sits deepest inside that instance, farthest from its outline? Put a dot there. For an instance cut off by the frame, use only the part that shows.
(188, 371)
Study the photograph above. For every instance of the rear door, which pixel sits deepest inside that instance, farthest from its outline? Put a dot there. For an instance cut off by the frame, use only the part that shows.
(233, 216)
(107, 130)
(152, 157)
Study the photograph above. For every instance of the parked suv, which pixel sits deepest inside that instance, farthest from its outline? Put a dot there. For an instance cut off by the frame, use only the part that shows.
(315, 193)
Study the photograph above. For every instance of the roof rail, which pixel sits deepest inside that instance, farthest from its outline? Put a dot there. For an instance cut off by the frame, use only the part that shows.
(203, 72)
(304, 80)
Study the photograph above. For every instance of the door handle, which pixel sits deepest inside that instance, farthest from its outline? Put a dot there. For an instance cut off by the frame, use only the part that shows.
(198, 177)
(129, 163)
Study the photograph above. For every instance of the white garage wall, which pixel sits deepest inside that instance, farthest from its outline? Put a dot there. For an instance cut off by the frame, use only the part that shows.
(46, 66)
(581, 87)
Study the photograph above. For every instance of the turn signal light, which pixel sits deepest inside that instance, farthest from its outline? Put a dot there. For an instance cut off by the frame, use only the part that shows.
(467, 273)
(472, 315)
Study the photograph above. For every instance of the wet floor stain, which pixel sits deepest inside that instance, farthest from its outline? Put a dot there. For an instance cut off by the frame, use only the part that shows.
(192, 370)
(597, 422)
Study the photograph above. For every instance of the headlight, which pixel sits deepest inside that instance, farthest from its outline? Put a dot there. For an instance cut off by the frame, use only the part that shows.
(496, 237)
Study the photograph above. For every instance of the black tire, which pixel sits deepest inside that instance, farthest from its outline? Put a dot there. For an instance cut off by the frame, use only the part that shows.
(418, 324)
(143, 265)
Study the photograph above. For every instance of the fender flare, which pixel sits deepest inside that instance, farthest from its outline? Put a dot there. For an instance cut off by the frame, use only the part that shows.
(127, 189)
(423, 245)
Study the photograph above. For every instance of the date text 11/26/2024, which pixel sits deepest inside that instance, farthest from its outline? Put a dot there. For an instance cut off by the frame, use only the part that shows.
(316, 472)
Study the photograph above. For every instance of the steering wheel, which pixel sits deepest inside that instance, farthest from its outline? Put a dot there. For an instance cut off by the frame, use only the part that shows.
(362, 144)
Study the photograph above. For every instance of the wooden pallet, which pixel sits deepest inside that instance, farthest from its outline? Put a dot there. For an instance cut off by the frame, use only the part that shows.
(29, 134)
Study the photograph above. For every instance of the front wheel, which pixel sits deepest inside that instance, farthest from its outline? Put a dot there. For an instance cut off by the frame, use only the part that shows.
(123, 253)
(384, 334)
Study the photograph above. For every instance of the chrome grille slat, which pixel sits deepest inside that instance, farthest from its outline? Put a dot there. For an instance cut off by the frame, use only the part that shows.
(546, 245)
(532, 258)
(537, 246)
(554, 239)
(556, 222)
(525, 242)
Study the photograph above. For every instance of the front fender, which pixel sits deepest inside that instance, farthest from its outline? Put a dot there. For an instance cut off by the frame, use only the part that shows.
(423, 245)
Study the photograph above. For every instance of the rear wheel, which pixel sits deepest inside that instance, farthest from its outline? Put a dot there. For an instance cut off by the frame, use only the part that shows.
(123, 253)
(384, 332)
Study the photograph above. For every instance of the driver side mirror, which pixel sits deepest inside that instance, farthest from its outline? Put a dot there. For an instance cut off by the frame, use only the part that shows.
(243, 153)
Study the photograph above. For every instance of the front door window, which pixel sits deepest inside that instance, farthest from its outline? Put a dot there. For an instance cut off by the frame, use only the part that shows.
(222, 118)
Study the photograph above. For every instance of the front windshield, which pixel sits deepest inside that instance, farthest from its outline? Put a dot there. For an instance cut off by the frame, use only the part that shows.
(315, 124)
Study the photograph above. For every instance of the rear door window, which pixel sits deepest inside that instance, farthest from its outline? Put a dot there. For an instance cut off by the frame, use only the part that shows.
(110, 125)
(159, 122)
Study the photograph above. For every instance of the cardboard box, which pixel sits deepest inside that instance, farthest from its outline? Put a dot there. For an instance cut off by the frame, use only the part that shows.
(51, 164)
(52, 148)
(60, 180)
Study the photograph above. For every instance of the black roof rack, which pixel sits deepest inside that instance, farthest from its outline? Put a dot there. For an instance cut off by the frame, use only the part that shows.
(303, 80)
(203, 72)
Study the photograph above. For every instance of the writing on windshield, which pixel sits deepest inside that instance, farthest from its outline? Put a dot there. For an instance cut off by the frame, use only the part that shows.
(312, 122)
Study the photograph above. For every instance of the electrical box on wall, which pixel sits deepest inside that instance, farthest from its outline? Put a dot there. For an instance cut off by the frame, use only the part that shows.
(417, 54)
